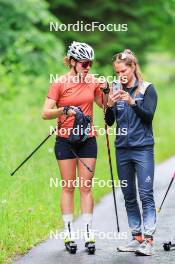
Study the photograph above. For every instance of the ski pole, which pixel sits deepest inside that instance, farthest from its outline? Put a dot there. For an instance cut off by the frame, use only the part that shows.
(159, 209)
(85, 165)
(31, 154)
(110, 166)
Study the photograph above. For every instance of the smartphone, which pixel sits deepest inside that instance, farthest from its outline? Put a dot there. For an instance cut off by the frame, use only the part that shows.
(116, 85)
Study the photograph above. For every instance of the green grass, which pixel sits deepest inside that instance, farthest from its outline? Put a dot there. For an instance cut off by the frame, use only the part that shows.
(29, 208)
(161, 72)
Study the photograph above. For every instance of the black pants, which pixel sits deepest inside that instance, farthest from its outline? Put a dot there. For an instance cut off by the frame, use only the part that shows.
(86, 149)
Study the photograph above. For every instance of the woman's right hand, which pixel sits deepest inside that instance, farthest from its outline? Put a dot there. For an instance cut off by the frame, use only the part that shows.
(71, 112)
(113, 98)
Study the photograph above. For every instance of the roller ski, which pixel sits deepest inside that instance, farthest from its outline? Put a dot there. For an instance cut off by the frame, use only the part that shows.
(168, 245)
(71, 246)
(69, 242)
(89, 241)
(90, 247)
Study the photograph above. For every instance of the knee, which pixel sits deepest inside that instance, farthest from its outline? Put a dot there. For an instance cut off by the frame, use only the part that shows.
(68, 189)
(85, 190)
(85, 186)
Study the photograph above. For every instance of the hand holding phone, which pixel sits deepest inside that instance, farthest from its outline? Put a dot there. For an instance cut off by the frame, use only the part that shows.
(116, 86)
(117, 92)
(114, 98)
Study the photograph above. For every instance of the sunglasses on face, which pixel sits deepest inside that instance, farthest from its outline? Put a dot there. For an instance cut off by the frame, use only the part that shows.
(85, 64)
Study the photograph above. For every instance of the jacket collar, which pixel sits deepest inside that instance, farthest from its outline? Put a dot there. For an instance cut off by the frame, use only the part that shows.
(133, 87)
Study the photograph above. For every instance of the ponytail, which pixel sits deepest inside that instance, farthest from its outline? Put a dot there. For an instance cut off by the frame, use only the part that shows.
(67, 61)
(129, 58)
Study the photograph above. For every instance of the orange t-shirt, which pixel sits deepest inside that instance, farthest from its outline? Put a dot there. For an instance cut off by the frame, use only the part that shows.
(68, 93)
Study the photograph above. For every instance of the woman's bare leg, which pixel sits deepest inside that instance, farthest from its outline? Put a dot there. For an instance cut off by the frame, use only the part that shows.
(86, 196)
(68, 175)
(85, 179)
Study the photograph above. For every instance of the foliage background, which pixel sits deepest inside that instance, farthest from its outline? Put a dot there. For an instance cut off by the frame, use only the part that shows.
(29, 52)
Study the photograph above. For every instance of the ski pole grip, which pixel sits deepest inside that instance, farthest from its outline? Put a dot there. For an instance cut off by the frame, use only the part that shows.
(107, 89)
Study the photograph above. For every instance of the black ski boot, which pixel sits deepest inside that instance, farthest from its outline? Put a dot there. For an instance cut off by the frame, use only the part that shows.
(90, 246)
(70, 244)
(89, 241)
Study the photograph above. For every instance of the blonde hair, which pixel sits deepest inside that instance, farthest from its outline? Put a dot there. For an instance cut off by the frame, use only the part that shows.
(129, 58)
(67, 61)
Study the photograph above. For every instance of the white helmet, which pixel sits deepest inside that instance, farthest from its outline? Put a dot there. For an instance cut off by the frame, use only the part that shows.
(80, 51)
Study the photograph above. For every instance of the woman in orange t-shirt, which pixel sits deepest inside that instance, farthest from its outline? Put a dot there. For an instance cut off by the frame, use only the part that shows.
(77, 88)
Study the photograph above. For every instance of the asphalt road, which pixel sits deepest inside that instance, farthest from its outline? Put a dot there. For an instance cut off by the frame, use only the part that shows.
(52, 251)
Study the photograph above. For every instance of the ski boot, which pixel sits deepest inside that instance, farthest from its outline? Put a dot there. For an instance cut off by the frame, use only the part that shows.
(89, 241)
(90, 246)
(69, 242)
(71, 246)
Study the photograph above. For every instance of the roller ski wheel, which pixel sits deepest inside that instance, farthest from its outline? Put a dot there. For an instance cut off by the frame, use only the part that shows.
(168, 245)
(71, 247)
(90, 247)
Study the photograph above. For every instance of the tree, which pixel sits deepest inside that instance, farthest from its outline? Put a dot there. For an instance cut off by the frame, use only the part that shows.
(27, 48)
(146, 20)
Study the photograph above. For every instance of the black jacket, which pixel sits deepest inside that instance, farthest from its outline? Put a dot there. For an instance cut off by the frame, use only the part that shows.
(136, 120)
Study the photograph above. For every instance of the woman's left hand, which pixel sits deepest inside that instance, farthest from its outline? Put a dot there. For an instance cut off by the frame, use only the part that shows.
(126, 97)
(104, 87)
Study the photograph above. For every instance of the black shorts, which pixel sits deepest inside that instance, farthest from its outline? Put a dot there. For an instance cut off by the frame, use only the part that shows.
(87, 149)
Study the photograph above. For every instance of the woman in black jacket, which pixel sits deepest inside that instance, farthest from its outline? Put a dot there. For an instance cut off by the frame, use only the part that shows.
(132, 103)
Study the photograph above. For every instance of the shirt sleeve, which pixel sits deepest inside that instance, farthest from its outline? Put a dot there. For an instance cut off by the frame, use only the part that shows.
(147, 110)
(54, 91)
(97, 91)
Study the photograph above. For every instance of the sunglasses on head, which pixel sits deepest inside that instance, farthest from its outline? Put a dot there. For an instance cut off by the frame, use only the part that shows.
(85, 64)
(122, 55)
